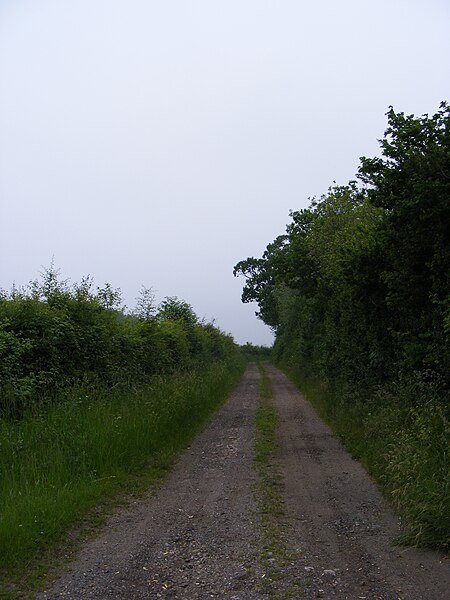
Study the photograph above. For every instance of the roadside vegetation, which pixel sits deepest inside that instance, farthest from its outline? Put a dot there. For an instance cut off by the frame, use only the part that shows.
(357, 292)
(93, 401)
(269, 479)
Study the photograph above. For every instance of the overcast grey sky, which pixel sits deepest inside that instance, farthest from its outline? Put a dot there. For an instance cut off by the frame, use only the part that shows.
(159, 143)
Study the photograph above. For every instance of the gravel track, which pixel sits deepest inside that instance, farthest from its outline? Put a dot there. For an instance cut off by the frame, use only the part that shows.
(200, 534)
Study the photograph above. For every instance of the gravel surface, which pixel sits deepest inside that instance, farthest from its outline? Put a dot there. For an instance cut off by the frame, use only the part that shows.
(201, 536)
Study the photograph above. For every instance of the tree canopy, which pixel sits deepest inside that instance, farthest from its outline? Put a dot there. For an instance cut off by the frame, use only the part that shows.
(358, 285)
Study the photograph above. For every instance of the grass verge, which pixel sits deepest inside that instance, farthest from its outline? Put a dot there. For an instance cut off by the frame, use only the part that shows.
(275, 555)
(61, 470)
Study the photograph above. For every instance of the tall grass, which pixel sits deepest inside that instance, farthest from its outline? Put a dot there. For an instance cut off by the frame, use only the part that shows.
(56, 464)
(401, 434)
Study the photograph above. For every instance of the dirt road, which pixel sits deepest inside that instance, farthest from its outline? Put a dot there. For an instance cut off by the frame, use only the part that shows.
(201, 534)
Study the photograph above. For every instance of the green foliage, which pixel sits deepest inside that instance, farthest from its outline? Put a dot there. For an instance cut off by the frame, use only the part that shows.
(53, 336)
(360, 282)
(358, 293)
(173, 309)
(262, 276)
(175, 343)
(418, 474)
(411, 184)
(145, 304)
(255, 353)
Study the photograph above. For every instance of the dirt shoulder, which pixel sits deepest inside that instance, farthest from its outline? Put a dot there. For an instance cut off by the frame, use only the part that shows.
(203, 535)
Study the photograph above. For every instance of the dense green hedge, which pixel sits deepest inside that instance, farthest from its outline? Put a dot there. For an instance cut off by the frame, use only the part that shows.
(53, 336)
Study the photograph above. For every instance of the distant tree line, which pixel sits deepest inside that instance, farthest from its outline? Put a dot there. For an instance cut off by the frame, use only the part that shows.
(54, 335)
(255, 352)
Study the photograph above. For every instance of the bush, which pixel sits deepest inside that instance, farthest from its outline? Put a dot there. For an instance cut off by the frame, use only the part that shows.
(53, 336)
